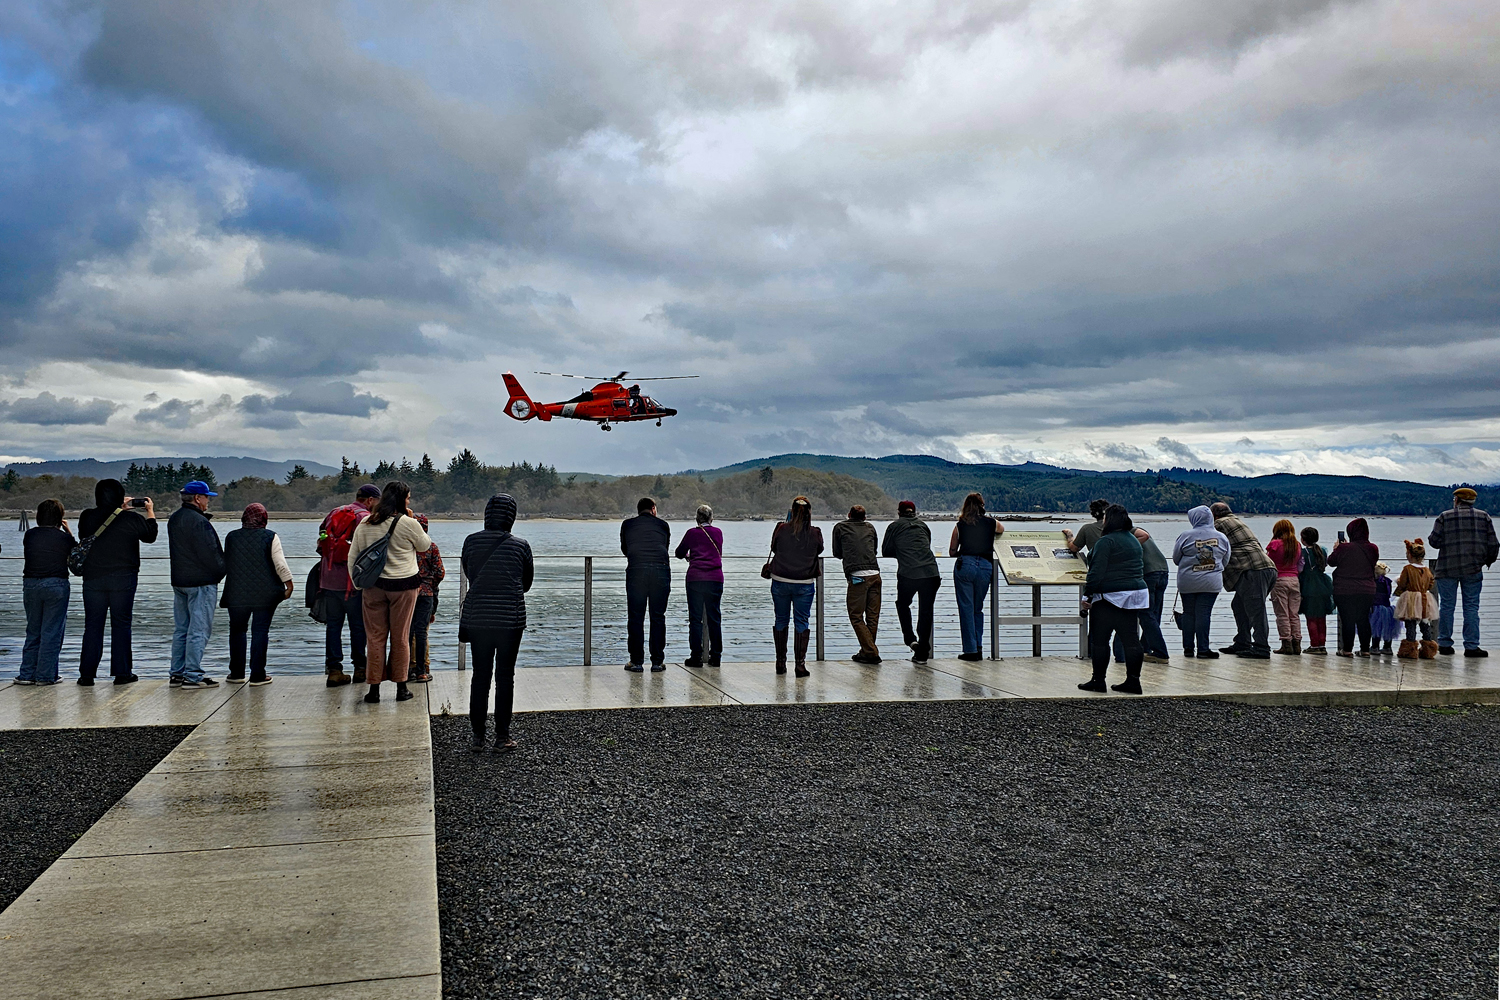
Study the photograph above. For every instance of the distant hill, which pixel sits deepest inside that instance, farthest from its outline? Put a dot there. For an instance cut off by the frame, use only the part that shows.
(938, 484)
(225, 469)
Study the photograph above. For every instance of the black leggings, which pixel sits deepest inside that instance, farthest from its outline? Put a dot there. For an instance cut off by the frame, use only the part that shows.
(494, 656)
(1354, 617)
(1104, 619)
(1411, 629)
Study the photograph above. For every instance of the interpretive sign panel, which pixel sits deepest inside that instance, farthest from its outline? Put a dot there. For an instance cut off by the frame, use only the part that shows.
(1038, 557)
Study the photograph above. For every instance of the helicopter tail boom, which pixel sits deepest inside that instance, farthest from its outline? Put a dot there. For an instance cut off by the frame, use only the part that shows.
(520, 405)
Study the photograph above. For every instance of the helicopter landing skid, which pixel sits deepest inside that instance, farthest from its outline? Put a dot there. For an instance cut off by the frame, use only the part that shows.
(605, 427)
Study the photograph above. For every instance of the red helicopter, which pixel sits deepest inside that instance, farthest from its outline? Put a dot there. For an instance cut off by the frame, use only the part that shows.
(607, 403)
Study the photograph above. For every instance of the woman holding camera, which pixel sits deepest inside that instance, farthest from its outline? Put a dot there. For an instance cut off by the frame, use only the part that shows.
(110, 575)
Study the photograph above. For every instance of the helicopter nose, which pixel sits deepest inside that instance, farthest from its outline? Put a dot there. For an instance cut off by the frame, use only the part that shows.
(669, 412)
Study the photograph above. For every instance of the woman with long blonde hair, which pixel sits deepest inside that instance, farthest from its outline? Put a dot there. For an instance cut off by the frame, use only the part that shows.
(1286, 595)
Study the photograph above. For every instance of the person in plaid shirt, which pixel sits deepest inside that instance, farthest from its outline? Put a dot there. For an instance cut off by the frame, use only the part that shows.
(1465, 538)
(1251, 575)
(430, 569)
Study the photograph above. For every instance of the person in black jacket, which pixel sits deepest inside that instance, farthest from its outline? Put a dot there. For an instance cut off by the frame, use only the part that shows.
(110, 575)
(646, 541)
(197, 568)
(256, 579)
(44, 593)
(499, 569)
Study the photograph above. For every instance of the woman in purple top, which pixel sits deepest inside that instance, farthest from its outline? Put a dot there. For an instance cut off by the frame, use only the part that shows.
(703, 547)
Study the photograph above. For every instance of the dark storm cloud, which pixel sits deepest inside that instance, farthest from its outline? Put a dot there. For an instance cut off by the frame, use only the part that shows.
(45, 409)
(947, 218)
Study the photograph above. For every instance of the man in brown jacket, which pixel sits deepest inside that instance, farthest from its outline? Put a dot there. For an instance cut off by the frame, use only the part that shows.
(855, 542)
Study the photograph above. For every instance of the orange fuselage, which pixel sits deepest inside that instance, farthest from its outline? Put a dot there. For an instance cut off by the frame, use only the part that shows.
(605, 403)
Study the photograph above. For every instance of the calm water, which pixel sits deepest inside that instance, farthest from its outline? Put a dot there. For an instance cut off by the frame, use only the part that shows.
(555, 604)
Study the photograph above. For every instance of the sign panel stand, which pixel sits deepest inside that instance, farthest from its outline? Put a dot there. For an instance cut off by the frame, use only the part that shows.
(1038, 559)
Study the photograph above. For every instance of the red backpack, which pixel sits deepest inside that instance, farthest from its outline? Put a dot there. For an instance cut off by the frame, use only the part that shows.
(333, 545)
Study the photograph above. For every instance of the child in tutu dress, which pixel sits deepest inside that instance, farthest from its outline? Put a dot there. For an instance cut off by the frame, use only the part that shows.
(1416, 607)
(1383, 626)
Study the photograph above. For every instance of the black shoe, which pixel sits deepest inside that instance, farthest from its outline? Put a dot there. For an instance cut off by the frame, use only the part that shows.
(1254, 654)
(132, 678)
(372, 697)
(657, 668)
(1130, 685)
(693, 661)
(1208, 654)
(971, 657)
(406, 695)
(235, 679)
(634, 668)
(476, 743)
(199, 684)
(1447, 650)
(260, 681)
(1475, 653)
(1231, 650)
(712, 663)
(1093, 685)
(87, 682)
(175, 682)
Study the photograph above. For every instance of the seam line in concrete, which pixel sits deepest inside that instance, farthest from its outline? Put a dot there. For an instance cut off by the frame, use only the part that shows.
(308, 986)
(700, 678)
(241, 847)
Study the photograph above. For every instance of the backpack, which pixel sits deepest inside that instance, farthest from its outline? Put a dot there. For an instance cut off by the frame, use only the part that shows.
(367, 569)
(334, 545)
(79, 554)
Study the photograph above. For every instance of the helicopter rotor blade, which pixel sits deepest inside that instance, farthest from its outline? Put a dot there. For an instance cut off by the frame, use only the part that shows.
(617, 378)
(664, 378)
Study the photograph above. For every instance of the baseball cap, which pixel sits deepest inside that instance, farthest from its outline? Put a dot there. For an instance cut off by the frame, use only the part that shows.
(198, 488)
(907, 505)
(369, 491)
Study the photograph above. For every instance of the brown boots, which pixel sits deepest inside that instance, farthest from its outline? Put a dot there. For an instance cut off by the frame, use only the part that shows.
(1427, 649)
(801, 652)
(1407, 650)
(779, 635)
(1411, 649)
(337, 677)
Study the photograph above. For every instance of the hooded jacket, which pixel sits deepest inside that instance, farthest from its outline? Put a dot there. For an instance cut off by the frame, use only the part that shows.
(499, 569)
(1354, 561)
(1201, 553)
(197, 555)
(1115, 564)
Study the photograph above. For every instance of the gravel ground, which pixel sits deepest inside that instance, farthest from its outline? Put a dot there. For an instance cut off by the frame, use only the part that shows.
(981, 849)
(57, 783)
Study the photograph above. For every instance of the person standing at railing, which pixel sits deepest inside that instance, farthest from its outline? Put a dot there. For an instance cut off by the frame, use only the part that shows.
(972, 547)
(1353, 560)
(1116, 590)
(197, 567)
(499, 569)
(44, 592)
(257, 579)
(1200, 553)
(795, 546)
(646, 541)
(1316, 602)
(857, 545)
(431, 571)
(340, 600)
(1156, 576)
(908, 540)
(1250, 574)
(1286, 594)
(703, 547)
(388, 605)
(110, 575)
(1465, 539)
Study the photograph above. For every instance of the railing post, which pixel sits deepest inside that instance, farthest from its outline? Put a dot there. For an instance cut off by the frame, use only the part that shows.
(463, 591)
(995, 611)
(819, 585)
(1083, 629)
(1036, 612)
(588, 611)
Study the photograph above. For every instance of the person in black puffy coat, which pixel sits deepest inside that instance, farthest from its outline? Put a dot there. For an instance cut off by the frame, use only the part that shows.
(499, 570)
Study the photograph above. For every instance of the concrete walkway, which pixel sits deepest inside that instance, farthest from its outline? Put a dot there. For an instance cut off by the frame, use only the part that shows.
(285, 848)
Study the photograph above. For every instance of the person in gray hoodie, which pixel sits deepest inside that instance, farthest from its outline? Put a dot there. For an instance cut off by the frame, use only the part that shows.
(1201, 554)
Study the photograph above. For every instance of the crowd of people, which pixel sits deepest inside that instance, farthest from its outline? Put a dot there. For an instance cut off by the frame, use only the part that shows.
(379, 575)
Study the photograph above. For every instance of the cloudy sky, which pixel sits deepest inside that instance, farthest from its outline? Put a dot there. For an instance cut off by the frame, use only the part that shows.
(1260, 236)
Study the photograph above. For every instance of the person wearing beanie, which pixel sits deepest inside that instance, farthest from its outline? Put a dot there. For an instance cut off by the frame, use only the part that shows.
(908, 540)
(702, 546)
(1465, 539)
(431, 571)
(499, 569)
(257, 578)
(855, 543)
(341, 601)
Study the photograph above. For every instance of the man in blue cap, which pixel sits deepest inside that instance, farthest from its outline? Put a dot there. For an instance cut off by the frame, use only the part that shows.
(197, 567)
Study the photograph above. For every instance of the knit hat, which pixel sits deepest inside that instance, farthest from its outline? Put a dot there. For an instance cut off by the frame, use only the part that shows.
(1465, 495)
(500, 512)
(906, 507)
(369, 491)
(255, 516)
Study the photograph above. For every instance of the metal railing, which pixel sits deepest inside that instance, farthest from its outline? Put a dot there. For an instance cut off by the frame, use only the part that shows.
(1035, 620)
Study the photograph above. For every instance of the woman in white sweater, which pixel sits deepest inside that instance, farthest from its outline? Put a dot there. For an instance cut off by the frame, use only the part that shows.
(389, 604)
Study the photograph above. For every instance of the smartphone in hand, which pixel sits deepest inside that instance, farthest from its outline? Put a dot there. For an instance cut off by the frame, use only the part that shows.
(1342, 537)
(138, 501)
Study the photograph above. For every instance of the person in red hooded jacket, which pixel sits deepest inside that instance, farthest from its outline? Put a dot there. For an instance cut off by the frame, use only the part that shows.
(1353, 563)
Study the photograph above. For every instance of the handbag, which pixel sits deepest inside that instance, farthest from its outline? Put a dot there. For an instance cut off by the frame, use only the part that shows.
(367, 569)
(312, 594)
(80, 552)
(1177, 616)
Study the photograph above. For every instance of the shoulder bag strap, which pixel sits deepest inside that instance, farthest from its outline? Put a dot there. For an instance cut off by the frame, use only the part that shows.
(704, 528)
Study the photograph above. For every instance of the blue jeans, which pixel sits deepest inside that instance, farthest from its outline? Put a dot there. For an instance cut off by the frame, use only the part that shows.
(46, 604)
(1197, 613)
(1447, 588)
(192, 621)
(972, 577)
(793, 603)
(114, 594)
(647, 588)
(336, 607)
